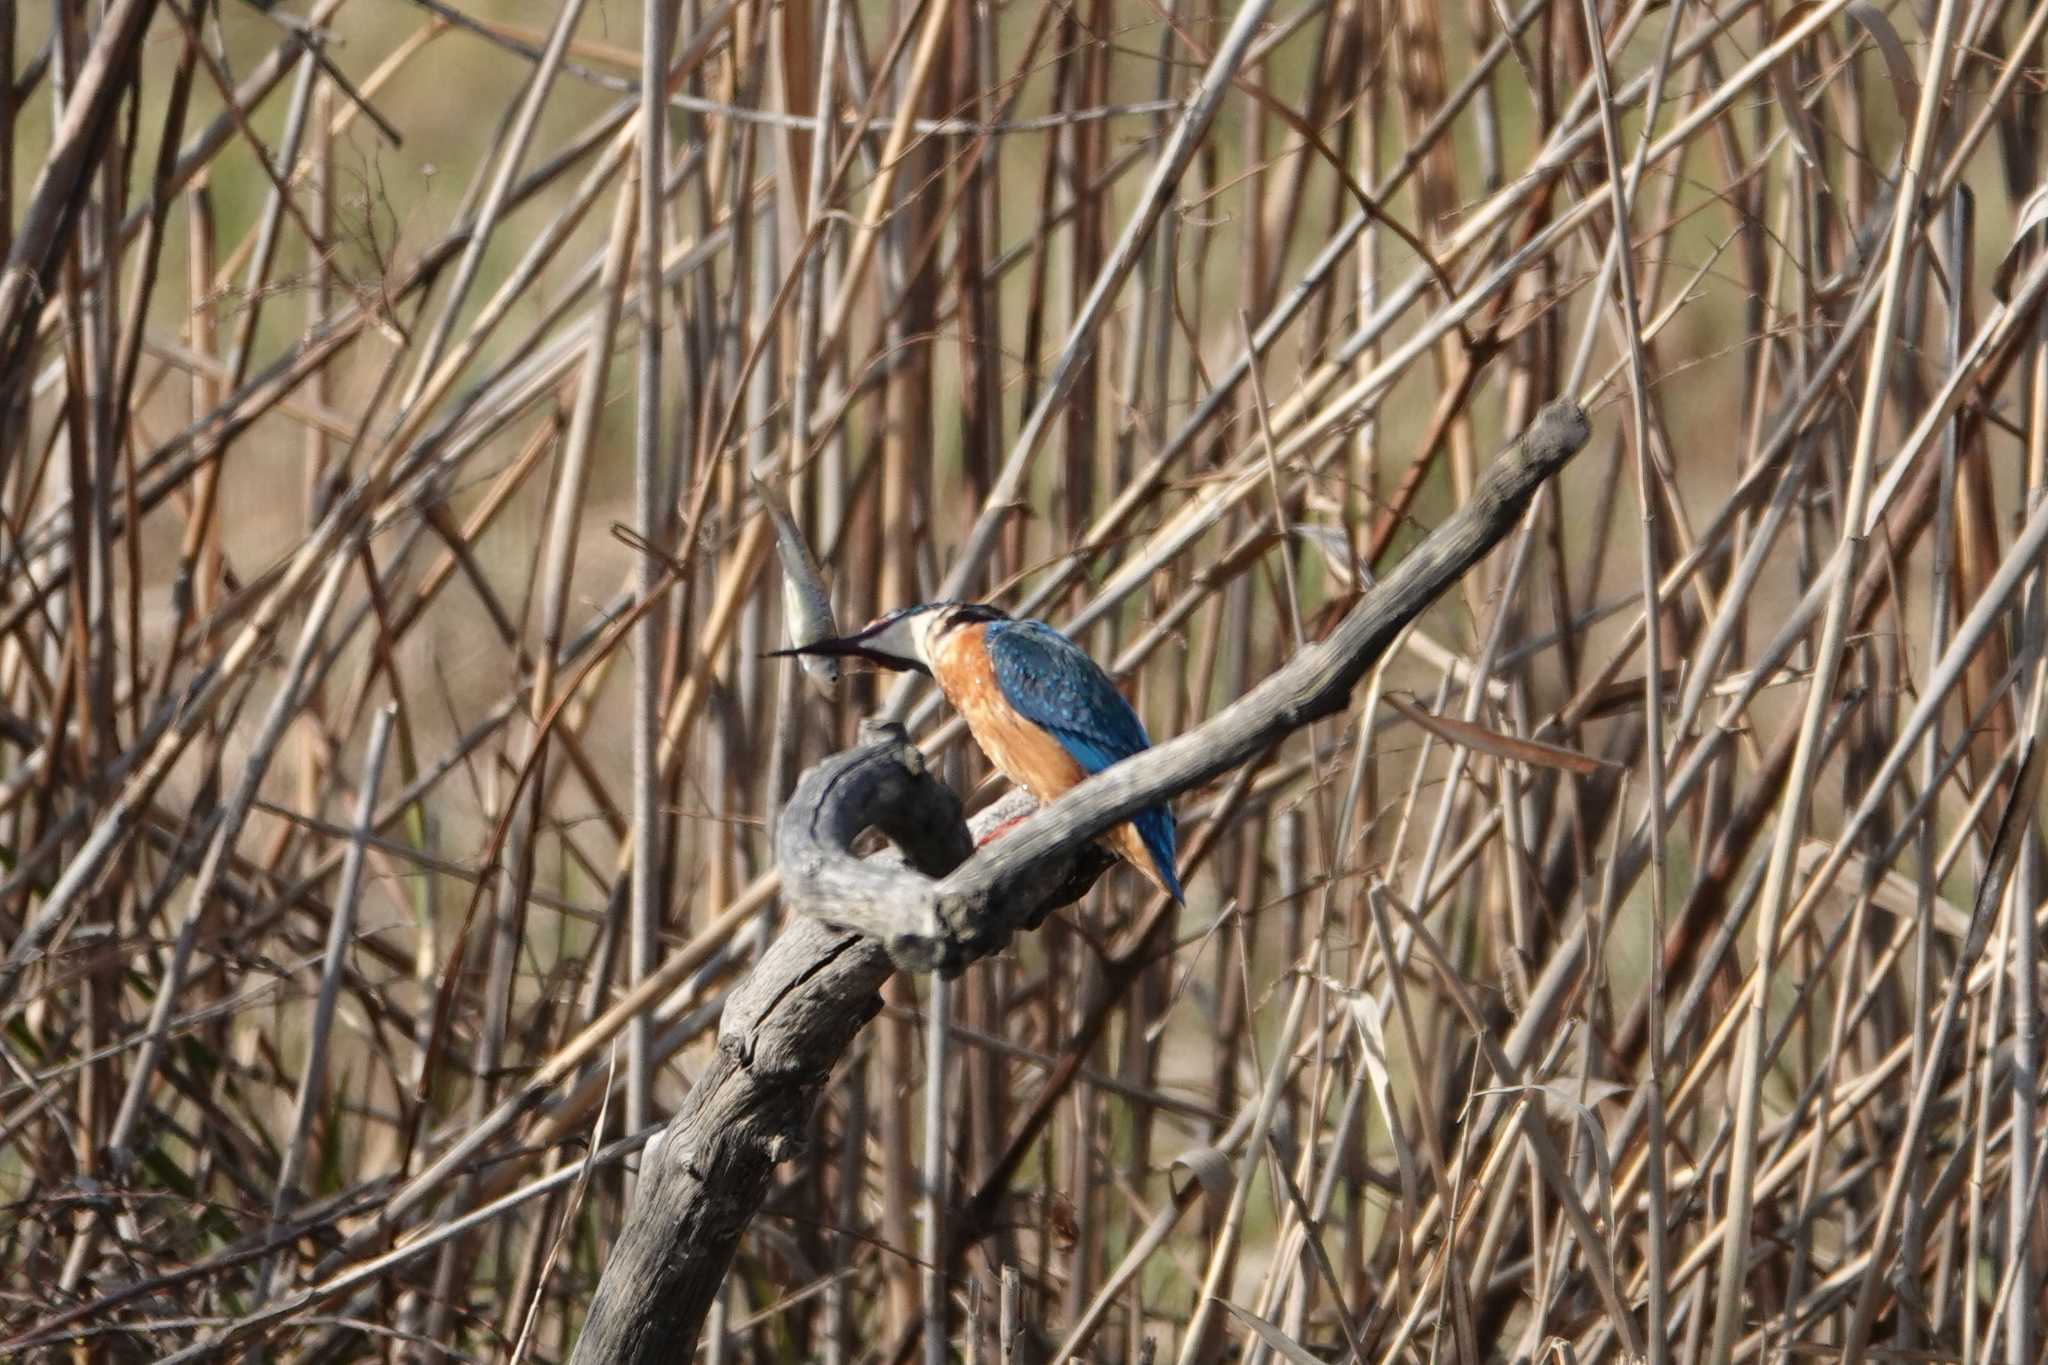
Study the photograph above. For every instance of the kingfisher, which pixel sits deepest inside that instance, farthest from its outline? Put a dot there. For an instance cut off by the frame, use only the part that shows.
(1044, 712)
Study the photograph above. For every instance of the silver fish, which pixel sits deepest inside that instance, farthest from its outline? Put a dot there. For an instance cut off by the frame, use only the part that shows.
(806, 603)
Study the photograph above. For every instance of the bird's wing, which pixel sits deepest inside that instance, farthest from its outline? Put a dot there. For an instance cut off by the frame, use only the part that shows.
(1052, 684)
(1056, 686)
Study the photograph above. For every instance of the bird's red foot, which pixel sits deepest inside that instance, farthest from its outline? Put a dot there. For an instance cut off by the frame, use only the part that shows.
(1000, 830)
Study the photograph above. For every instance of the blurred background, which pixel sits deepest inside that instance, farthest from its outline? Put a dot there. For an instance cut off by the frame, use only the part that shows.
(388, 761)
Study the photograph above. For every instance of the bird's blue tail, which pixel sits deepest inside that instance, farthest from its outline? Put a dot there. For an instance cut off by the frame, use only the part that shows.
(1155, 827)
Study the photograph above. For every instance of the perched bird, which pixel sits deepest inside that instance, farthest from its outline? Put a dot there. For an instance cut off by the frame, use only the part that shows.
(1040, 708)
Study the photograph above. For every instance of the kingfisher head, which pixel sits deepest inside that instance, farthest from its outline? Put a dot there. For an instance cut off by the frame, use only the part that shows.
(905, 638)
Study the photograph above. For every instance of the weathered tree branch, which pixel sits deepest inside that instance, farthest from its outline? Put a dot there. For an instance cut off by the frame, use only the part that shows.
(840, 799)
(942, 905)
(783, 1030)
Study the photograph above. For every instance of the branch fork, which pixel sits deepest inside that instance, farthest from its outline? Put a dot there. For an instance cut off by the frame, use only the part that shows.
(900, 898)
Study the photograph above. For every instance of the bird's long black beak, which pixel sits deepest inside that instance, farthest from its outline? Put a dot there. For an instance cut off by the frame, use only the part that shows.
(871, 643)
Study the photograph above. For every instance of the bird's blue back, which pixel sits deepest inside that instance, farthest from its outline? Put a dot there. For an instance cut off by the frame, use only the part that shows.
(1055, 685)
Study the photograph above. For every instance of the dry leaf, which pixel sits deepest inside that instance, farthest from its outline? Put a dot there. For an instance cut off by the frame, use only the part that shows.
(1273, 1336)
(1492, 742)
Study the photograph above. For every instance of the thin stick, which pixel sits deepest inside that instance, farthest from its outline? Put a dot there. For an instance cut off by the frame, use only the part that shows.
(644, 908)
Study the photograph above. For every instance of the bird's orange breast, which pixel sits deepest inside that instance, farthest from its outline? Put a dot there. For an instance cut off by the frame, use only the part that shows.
(1020, 750)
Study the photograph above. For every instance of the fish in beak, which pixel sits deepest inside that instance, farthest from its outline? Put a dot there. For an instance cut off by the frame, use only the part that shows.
(894, 642)
(806, 602)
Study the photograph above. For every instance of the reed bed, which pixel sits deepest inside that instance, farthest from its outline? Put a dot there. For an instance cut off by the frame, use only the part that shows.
(1648, 964)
